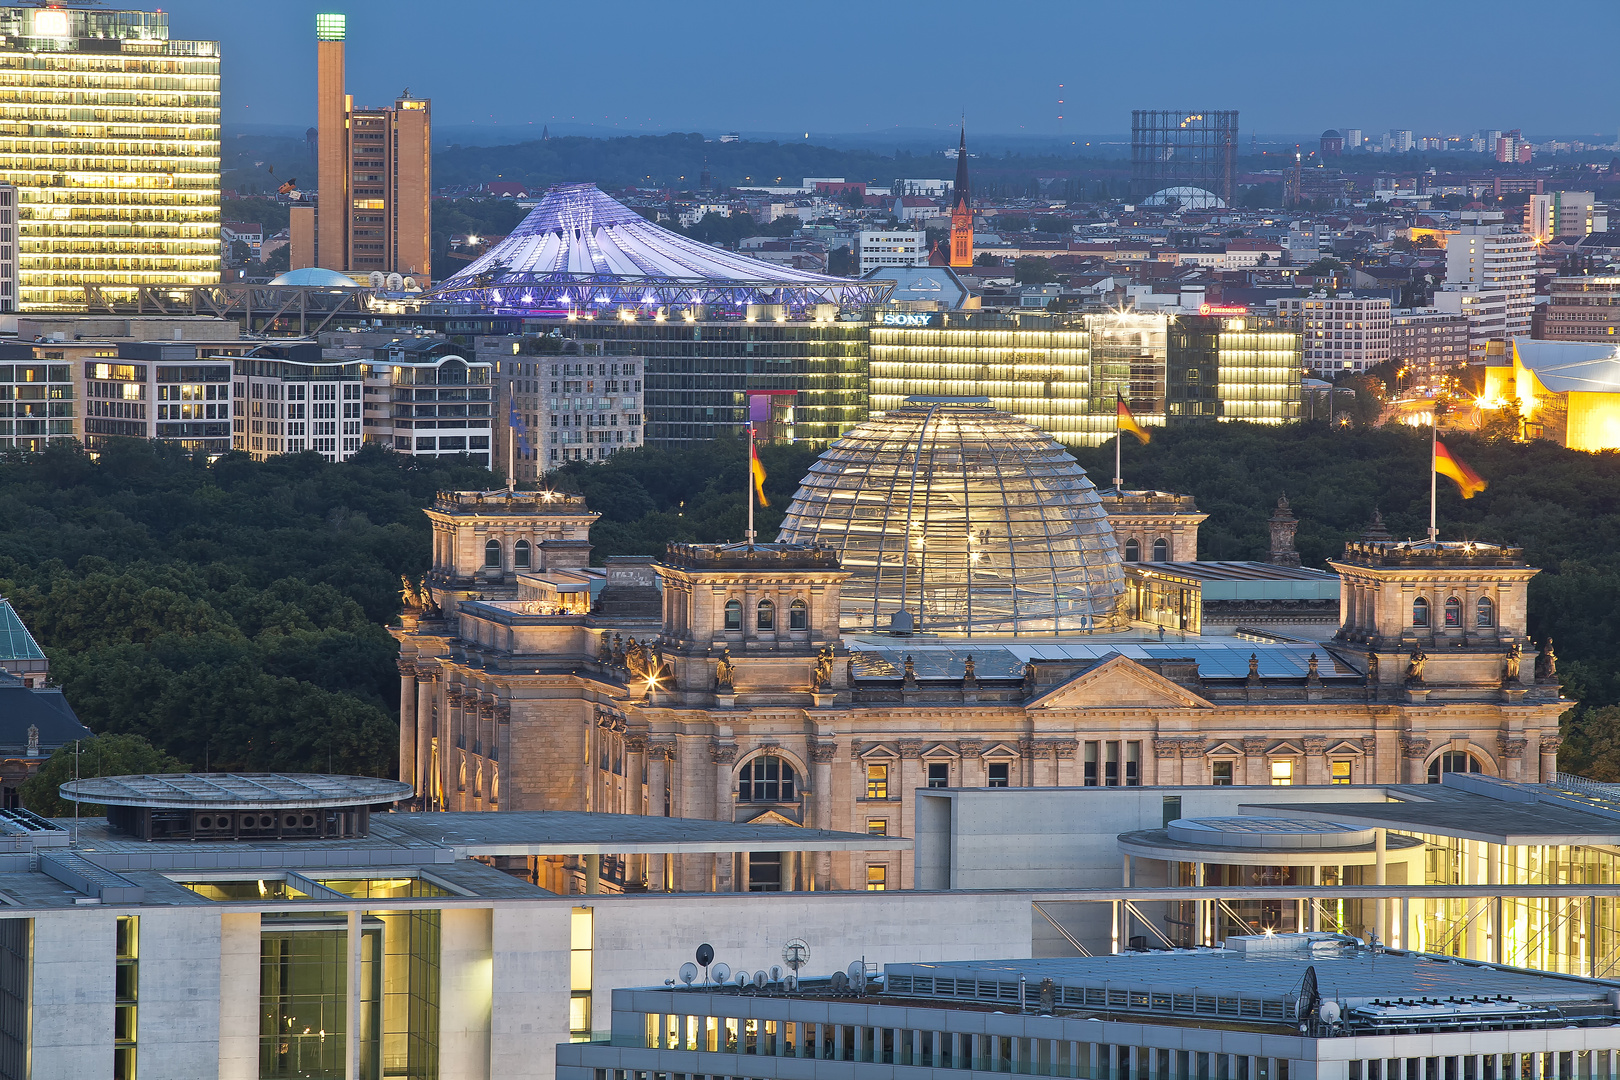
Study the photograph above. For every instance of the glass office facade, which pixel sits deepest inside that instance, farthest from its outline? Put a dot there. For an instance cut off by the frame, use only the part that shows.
(36, 402)
(110, 132)
(1234, 368)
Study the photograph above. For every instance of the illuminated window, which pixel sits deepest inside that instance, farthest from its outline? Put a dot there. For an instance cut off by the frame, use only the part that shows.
(877, 878)
(1420, 612)
(733, 614)
(877, 827)
(582, 935)
(1282, 772)
(877, 781)
(1485, 613)
(1339, 772)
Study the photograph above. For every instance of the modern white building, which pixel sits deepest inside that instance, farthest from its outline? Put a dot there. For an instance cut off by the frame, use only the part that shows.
(1564, 214)
(1341, 333)
(159, 390)
(1286, 1007)
(288, 399)
(883, 250)
(1495, 259)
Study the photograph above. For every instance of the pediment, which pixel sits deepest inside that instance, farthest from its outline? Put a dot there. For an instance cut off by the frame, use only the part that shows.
(940, 752)
(1345, 748)
(771, 817)
(1119, 683)
(1224, 749)
(878, 752)
(1000, 750)
(1285, 749)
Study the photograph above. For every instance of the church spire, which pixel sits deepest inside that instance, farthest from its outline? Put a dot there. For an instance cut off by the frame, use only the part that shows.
(961, 210)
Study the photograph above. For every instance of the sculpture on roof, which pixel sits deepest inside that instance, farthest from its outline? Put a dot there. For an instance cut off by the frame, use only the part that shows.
(822, 677)
(723, 672)
(1510, 663)
(1414, 665)
(1546, 663)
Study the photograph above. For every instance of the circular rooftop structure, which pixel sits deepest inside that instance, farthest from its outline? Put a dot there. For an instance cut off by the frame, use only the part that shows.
(955, 518)
(316, 277)
(1331, 134)
(1267, 841)
(1267, 832)
(1187, 198)
(237, 806)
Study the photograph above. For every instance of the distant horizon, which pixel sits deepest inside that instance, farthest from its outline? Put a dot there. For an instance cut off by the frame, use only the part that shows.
(1054, 70)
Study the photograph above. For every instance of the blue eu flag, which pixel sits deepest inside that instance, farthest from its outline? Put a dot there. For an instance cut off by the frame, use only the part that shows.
(515, 420)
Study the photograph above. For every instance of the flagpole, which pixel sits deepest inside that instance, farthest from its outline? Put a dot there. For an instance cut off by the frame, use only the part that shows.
(1119, 437)
(748, 480)
(1434, 441)
(511, 454)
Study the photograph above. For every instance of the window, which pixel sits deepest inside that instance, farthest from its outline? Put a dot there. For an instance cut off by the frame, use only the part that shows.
(998, 774)
(877, 878)
(492, 553)
(125, 988)
(767, 778)
(1133, 550)
(733, 614)
(1485, 613)
(939, 774)
(1420, 612)
(1221, 773)
(767, 616)
(877, 826)
(1282, 772)
(1339, 772)
(798, 615)
(877, 781)
(1453, 613)
(582, 941)
(1161, 550)
(520, 555)
(1452, 761)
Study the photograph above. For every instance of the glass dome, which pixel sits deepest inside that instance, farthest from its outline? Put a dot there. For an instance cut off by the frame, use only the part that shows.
(956, 518)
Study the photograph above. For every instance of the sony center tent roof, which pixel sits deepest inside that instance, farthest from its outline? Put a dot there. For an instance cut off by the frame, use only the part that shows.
(579, 250)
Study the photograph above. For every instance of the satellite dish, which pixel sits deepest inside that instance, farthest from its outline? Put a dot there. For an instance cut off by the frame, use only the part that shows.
(1309, 996)
(395, 283)
(760, 979)
(705, 954)
(840, 981)
(790, 983)
(776, 973)
(796, 954)
(1329, 1012)
(410, 285)
(721, 972)
(742, 978)
(376, 279)
(856, 970)
(688, 972)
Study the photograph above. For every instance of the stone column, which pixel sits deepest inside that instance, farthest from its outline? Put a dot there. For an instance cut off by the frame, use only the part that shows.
(910, 767)
(821, 758)
(500, 748)
(452, 745)
(972, 762)
(1063, 762)
(658, 755)
(635, 770)
(723, 755)
(1193, 769)
(407, 722)
(1315, 762)
(426, 731)
(1512, 749)
(1549, 757)
(1165, 754)
(1254, 762)
(1414, 750)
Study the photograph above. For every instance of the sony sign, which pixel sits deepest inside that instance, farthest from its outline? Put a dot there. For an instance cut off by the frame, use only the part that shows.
(907, 318)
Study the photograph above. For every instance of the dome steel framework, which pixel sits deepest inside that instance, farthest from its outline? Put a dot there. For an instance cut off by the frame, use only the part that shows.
(579, 251)
(956, 518)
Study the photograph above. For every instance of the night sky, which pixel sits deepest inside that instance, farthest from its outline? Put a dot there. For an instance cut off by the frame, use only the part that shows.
(1435, 66)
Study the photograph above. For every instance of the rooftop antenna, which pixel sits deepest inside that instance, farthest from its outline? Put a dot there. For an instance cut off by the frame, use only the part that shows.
(705, 957)
(688, 973)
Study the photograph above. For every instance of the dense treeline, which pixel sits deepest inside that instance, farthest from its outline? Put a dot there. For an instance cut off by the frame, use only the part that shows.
(232, 614)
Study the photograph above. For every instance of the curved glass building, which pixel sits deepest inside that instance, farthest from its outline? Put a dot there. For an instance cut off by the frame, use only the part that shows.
(956, 518)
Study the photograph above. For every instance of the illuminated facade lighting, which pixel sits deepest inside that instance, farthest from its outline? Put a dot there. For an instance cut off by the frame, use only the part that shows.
(110, 132)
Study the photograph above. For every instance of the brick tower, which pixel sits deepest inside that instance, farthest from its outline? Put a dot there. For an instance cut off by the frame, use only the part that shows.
(961, 212)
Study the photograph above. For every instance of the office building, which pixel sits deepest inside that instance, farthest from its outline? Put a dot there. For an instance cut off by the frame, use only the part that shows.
(423, 399)
(8, 248)
(1494, 259)
(1427, 344)
(1063, 373)
(1264, 1007)
(159, 390)
(1585, 308)
(1184, 148)
(38, 400)
(288, 399)
(1564, 214)
(575, 401)
(1352, 138)
(120, 188)
(1486, 312)
(1340, 333)
(881, 250)
(374, 175)
(1060, 688)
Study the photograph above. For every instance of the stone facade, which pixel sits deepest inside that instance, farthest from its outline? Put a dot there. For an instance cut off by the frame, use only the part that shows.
(715, 711)
(1143, 518)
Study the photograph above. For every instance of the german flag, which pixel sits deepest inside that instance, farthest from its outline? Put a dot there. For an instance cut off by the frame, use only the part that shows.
(758, 472)
(1127, 422)
(1468, 482)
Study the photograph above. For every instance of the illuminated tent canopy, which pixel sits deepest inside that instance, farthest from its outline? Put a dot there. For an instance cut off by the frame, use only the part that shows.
(580, 251)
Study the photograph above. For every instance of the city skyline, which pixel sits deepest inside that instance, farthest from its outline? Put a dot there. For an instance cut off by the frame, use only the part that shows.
(1058, 82)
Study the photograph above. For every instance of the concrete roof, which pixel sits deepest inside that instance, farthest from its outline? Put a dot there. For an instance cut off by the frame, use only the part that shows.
(1440, 809)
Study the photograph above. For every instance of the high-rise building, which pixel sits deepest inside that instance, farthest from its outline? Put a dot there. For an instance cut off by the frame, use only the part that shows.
(1493, 259)
(1564, 213)
(1581, 308)
(109, 130)
(1352, 138)
(883, 249)
(1183, 148)
(1341, 333)
(961, 210)
(373, 172)
(1428, 344)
